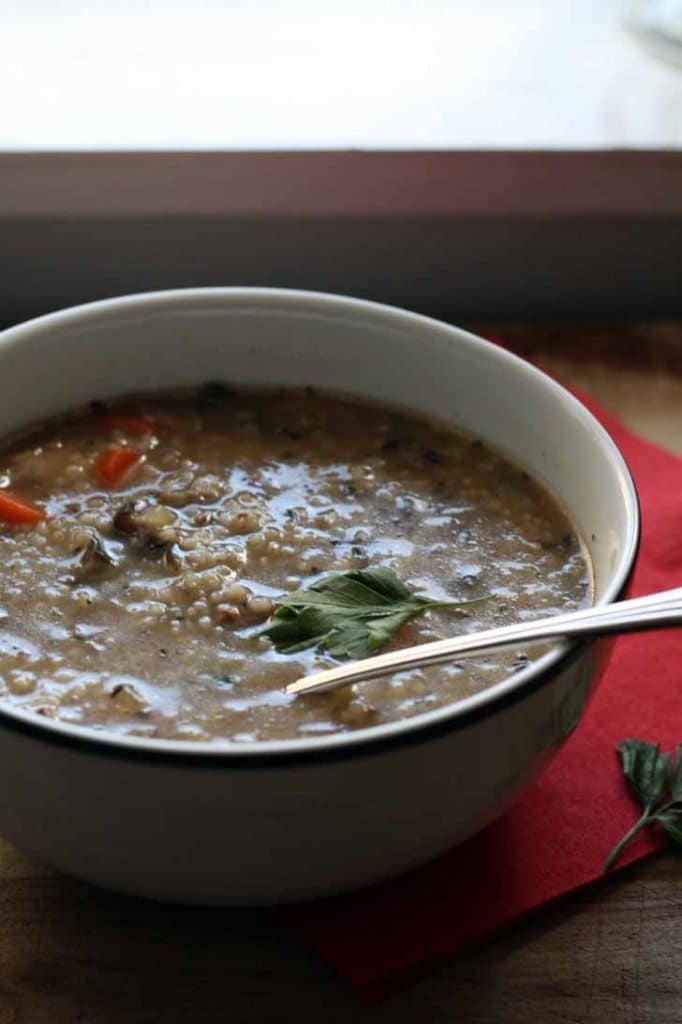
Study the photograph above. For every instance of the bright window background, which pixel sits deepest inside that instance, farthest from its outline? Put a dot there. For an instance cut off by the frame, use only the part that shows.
(114, 74)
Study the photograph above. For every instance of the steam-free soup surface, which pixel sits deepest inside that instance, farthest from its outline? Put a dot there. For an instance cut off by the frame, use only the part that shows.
(175, 523)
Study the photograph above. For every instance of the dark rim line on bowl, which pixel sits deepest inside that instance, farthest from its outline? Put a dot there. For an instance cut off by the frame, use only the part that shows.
(420, 728)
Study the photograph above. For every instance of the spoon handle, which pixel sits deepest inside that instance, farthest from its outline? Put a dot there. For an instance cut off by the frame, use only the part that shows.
(655, 611)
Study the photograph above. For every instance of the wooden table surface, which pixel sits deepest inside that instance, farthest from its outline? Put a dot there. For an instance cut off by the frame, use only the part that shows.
(609, 955)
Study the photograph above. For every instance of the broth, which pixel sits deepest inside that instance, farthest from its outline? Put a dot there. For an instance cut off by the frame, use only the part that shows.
(176, 521)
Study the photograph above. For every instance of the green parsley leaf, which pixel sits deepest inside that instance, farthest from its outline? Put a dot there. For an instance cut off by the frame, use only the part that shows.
(651, 776)
(349, 614)
(647, 771)
(676, 784)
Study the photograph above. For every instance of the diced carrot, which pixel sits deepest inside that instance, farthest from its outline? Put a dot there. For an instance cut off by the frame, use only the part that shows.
(16, 510)
(114, 465)
(134, 425)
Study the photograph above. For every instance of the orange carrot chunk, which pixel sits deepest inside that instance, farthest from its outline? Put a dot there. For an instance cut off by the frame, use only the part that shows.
(15, 510)
(114, 465)
(134, 425)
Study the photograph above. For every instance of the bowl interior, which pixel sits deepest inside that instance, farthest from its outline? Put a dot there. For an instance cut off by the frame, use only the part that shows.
(270, 337)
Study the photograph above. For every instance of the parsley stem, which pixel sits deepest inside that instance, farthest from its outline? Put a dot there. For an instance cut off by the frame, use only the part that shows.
(646, 820)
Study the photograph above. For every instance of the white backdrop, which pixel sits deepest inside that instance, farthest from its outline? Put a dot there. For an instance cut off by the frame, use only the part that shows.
(108, 74)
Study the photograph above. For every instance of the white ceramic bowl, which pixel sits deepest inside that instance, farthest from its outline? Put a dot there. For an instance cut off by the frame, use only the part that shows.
(289, 820)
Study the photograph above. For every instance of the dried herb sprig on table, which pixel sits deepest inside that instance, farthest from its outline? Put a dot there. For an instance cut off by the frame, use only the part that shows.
(349, 614)
(656, 781)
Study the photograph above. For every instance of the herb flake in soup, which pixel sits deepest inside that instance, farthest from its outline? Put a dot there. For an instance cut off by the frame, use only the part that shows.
(145, 545)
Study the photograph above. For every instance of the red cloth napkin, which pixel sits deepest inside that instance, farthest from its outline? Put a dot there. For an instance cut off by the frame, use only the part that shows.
(557, 837)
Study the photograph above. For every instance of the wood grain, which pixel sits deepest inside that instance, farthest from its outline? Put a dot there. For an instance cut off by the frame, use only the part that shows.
(68, 952)
(608, 955)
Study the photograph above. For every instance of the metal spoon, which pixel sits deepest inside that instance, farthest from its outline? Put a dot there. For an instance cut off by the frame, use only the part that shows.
(655, 611)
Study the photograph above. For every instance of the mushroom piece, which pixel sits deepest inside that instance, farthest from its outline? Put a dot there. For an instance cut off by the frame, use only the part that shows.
(125, 517)
(93, 551)
(152, 526)
(128, 700)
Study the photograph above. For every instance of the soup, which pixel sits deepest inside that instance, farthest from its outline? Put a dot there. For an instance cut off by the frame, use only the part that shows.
(145, 545)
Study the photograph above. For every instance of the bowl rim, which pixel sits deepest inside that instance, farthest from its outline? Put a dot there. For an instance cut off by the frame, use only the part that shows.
(374, 739)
